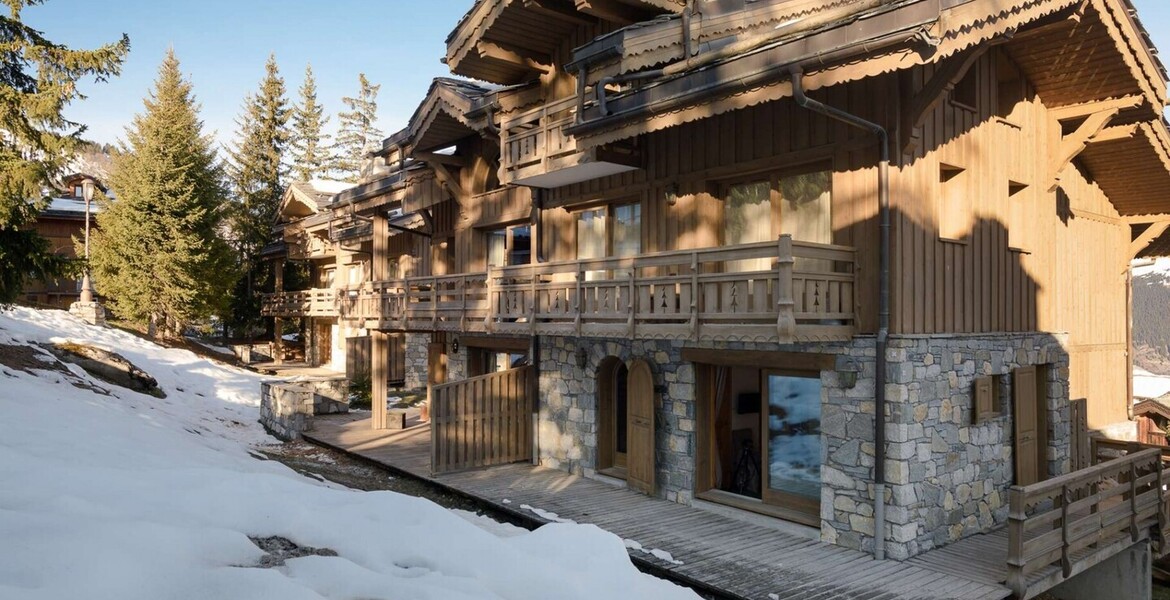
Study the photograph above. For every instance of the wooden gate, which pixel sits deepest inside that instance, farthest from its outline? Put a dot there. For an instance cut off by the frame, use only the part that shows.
(482, 421)
(640, 428)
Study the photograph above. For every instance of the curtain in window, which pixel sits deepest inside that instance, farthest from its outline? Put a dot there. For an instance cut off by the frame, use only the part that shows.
(497, 247)
(805, 213)
(748, 218)
(591, 238)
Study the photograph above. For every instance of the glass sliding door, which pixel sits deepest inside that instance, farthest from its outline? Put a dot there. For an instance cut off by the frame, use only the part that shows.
(747, 218)
(792, 425)
(591, 238)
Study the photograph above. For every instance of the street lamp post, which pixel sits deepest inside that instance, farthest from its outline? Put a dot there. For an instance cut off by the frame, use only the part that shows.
(86, 306)
(86, 285)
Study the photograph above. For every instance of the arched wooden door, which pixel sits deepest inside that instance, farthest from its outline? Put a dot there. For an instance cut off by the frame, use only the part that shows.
(640, 428)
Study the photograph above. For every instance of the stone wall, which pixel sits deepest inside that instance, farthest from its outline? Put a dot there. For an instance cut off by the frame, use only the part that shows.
(286, 407)
(948, 477)
(568, 408)
(416, 360)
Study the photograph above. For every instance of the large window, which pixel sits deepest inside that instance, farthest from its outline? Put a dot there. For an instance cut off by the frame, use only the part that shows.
(509, 246)
(609, 231)
(762, 209)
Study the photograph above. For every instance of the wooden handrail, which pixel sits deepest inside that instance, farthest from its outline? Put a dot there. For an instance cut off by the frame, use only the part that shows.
(1054, 522)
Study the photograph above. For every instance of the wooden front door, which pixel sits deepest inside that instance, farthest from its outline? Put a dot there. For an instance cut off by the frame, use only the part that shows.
(1029, 416)
(640, 428)
(324, 343)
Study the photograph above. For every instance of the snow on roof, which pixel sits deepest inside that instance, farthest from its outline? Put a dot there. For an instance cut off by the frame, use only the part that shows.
(71, 205)
(1149, 385)
(330, 186)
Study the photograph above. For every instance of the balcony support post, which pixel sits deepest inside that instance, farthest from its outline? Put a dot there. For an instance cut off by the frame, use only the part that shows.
(785, 303)
(379, 366)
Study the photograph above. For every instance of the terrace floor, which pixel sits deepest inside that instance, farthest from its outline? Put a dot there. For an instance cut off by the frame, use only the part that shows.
(740, 557)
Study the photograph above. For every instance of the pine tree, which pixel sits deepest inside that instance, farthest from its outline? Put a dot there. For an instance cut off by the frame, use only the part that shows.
(257, 174)
(158, 253)
(309, 146)
(37, 81)
(356, 133)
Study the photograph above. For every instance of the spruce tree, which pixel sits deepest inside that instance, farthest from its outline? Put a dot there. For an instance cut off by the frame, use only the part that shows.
(356, 133)
(308, 145)
(38, 79)
(158, 253)
(257, 174)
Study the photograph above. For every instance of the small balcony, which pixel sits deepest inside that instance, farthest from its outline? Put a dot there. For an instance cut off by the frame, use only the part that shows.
(782, 291)
(536, 151)
(317, 302)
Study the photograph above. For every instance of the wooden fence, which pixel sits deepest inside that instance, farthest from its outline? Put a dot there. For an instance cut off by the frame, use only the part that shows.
(1065, 525)
(482, 421)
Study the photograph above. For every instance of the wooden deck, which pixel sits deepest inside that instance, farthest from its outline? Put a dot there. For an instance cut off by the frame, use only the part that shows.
(736, 557)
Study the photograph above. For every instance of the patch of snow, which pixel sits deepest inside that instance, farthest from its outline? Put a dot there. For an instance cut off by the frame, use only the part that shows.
(213, 347)
(1149, 385)
(546, 515)
(507, 501)
(658, 553)
(773, 596)
(490, 525)
(125, 496)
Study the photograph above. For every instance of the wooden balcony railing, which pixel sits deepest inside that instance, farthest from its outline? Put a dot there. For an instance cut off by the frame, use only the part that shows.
(536, 138)
(318, 302)
(534, 146)
(800, 291)
(1063, 526)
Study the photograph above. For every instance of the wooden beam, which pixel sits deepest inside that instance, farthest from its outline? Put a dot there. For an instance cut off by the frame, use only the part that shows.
(944, 80)
(559, 12)
(1074, 143)
(517, 56)
(608, 10)
(428, 219)
(446, 159)
(1144, 219)
(1084, 109)
(1149, 235)
(447, 181)
(1116, 132)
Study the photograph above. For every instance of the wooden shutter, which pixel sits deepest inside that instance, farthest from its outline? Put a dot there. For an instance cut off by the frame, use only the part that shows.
(640, 428)
(1027, 421)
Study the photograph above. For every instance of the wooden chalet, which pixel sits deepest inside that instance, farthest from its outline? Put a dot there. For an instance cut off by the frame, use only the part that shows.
(60, 222)
(859, 265)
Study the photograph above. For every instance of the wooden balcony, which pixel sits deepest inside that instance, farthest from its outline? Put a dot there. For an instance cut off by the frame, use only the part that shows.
(1066, 525)
(318, 302)
(804, 292)
(535, 150)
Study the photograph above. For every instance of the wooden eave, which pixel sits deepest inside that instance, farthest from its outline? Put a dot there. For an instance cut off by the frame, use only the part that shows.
(760, 76)
(1134, 172)
(659, 42)
(1153, 406)
(520, 30)
(442, 118)
(294, 196)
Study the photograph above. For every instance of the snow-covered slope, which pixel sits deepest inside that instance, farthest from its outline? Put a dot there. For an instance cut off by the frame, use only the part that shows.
(125, 496)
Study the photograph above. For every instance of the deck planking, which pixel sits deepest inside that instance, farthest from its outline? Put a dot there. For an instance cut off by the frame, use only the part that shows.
(735, 557)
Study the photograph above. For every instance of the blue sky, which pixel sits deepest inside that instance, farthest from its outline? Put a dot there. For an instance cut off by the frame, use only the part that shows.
(223, 44)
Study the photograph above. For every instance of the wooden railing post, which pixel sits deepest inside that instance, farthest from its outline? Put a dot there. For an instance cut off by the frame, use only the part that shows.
(489, 283)
(532, 301)
(578, 301)
(1065, 561)
(434, 304)
(694, 296)
(1017, 580)
(463, 303)
(1133, 496)
(631, 301)
(785, 303)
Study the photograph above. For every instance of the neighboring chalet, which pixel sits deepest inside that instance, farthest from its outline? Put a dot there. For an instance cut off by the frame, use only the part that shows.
(774, 254)
(60, 222)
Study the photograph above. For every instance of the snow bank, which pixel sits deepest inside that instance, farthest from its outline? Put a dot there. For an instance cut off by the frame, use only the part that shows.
(125, 496)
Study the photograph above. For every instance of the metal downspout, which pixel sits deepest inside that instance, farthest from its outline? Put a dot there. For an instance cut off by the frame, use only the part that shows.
(879, 420)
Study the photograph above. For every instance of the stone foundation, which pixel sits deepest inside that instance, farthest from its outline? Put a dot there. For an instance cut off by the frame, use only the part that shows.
(416, 360)
(286, 406)
(947, 477)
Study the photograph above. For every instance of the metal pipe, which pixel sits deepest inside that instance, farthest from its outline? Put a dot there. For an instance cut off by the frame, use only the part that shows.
(879, 417)
(599, 87)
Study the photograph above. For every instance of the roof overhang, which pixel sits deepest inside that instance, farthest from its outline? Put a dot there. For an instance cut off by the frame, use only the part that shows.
(512, 41)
